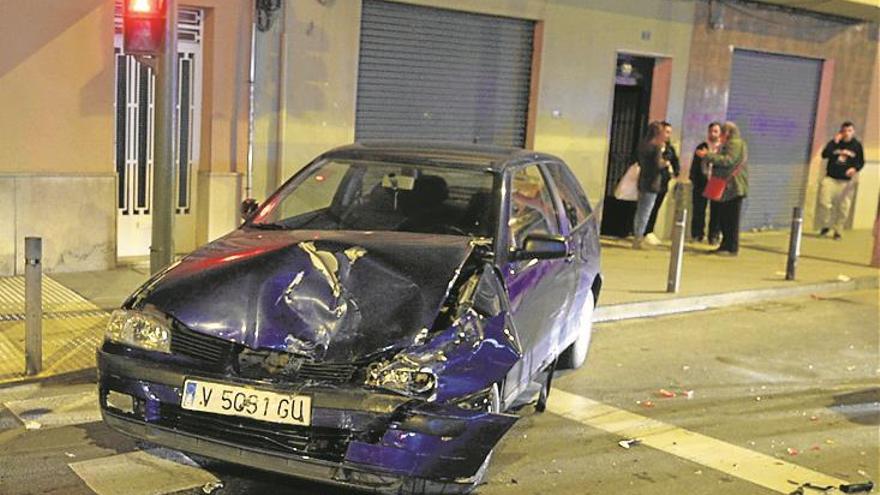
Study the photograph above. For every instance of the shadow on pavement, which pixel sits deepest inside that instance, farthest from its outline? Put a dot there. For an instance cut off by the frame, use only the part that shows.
(862, 407)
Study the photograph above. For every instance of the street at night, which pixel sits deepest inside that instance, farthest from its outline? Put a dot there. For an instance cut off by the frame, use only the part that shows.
(764, 394)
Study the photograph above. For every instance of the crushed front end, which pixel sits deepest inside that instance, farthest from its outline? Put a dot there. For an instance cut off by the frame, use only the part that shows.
(409, 416)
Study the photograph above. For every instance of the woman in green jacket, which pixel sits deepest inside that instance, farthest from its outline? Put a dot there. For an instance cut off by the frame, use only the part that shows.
(730, 163)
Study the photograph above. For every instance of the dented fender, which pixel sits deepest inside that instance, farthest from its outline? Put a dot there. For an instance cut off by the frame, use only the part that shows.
(437, 441)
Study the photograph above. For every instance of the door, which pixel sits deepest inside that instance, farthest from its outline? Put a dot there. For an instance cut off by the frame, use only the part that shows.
(580, 229)
(773, 100)
(135, 112)
(629, 120)
(539, 290)
(442, 75)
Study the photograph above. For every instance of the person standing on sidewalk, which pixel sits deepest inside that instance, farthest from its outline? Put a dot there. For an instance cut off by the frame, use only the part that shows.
(667, 173)
(651, 164)
(730, 164)
(845, 158)
(699, 176)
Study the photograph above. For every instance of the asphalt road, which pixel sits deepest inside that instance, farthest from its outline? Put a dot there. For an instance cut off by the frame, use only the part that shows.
(763, 394)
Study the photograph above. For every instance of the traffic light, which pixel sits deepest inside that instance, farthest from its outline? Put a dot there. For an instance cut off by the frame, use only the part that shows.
(143, 30)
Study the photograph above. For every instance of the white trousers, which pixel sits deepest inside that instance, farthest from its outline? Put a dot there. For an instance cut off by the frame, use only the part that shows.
(835, 198)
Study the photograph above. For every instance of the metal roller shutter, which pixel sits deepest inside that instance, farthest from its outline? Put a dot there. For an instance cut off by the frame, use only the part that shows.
(442, 75)
(773, 100)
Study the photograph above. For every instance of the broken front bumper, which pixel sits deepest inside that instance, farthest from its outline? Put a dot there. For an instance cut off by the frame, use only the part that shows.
(358, 438)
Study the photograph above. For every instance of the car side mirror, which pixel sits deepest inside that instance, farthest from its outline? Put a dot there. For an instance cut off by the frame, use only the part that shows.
(542, 247)
(248, 208)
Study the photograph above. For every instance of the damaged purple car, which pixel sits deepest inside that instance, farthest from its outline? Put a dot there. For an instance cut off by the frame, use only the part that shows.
(370, 323)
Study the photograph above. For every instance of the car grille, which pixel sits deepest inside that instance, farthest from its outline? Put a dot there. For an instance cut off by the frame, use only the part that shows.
(185, 342)
(326, 372)
(322, 443)
(217, 352)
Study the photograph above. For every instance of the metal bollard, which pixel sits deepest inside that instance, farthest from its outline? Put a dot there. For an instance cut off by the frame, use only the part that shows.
(794, 242)
(33, 305)
(673, 281)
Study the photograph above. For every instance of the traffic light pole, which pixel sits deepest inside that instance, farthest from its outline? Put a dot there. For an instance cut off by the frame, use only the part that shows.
(162, 245)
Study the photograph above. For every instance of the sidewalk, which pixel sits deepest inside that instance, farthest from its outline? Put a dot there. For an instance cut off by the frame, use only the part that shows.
(635, 281)
(77, 305)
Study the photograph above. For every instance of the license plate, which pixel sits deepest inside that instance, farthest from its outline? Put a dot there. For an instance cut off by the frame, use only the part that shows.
(232, 400)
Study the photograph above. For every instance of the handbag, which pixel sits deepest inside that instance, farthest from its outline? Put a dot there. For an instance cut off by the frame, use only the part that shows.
(628, 187)
(716, 186)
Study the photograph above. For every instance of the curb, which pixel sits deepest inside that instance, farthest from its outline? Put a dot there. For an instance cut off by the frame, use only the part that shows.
(647, 309)
(85, 375)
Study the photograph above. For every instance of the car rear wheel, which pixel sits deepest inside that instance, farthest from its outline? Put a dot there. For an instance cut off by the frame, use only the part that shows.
(576, 354)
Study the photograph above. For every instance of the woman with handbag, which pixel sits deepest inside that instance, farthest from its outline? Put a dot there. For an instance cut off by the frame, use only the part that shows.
(728, 185)
(651, 163)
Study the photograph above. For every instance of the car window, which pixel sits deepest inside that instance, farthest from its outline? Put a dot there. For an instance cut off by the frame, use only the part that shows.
(379, 195)
(531, 206)
(313, 194)
(574, 201)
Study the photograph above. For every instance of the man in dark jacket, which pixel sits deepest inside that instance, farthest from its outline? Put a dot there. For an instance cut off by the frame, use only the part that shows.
(845, 158)
(699, 176)
(670, 156)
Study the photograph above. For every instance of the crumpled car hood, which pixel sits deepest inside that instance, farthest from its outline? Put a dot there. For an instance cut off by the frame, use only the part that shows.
(325, 295)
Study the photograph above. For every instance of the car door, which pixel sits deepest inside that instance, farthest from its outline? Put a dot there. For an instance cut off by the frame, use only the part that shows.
(539, 290)
(583, 246)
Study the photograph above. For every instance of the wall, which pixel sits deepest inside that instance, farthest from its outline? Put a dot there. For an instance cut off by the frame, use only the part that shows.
(270, 50)
(224, 114)
(56, 151)
(850, 46)
(57, 170)
(580, 46)
(865, 210)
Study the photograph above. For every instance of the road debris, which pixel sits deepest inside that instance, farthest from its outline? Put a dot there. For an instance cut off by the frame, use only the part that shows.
(68, 454)
(800, 489)
(629, 443)
(32, 425)
(669, 394)
(857, 487)
(211, 486)
(645, 403)
(792, 451)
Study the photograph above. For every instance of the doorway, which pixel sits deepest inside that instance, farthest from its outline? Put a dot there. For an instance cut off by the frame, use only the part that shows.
(134, 115)
(629, 121)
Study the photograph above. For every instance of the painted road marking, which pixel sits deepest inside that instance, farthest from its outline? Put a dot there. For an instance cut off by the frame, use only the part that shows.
(150, 472)
(742, 463)
(57, 410)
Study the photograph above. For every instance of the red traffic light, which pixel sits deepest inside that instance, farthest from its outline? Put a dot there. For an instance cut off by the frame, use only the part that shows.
(143, 30)
(143, 6)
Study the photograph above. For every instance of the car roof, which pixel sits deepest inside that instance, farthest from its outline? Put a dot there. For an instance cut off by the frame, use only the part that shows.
(494, 158)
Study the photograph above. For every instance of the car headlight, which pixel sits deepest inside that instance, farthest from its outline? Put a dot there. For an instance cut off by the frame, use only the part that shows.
(137, 329)
(402, 376)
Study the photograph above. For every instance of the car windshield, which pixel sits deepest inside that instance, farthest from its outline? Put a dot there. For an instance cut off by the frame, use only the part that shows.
(370, 195)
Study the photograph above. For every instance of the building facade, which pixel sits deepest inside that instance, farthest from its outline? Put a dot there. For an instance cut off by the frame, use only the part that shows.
(575, 79)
